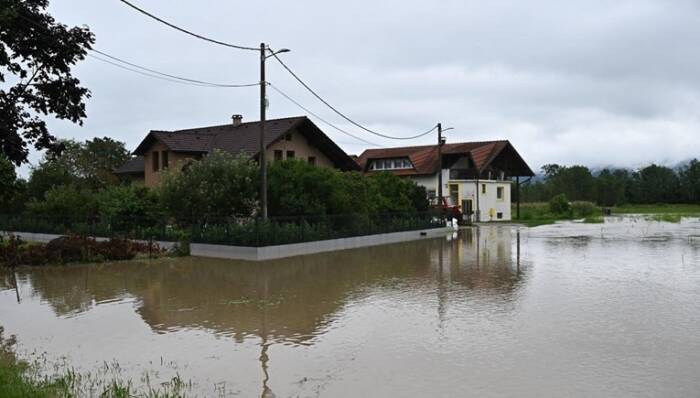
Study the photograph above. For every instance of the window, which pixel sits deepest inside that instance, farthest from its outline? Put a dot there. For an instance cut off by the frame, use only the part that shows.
(391, 164)
(164, 157)
(290, 154)
(278, 155)
(288, 136)
(312, 160)
(483, 188)
(156, 164)
(499, 193)
(499, 215)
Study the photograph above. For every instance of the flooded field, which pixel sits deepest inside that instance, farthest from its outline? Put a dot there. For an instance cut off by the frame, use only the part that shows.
(575, 310)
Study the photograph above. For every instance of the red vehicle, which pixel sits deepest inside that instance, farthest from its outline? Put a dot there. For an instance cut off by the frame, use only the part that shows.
(447, 207)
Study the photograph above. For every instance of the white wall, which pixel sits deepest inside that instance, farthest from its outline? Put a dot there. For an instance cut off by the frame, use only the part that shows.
(488, 203)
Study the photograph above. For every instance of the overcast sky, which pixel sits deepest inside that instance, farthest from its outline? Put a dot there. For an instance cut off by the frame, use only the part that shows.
(570, 82)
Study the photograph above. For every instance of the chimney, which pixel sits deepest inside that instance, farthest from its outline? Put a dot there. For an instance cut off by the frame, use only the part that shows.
(237, 120)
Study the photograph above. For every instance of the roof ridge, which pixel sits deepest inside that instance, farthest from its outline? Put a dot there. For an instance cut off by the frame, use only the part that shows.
(218, 126)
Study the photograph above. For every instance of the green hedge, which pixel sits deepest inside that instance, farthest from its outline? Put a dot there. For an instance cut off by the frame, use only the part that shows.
(236, 232)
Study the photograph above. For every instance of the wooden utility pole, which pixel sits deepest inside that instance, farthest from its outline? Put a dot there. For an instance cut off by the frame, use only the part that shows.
(261, 156)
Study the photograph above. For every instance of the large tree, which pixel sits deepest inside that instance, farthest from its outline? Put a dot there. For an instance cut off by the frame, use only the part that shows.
(37, 53)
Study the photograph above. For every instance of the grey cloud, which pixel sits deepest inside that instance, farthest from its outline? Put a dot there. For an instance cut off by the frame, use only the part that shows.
(582, 81)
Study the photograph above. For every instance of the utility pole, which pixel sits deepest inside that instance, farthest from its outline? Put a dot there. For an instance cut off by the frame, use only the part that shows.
(261, 157)
(440, 142)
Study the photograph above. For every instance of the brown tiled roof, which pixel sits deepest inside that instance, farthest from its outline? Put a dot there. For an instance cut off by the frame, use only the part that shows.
(134, 165)
(245, 138)
(425, 158)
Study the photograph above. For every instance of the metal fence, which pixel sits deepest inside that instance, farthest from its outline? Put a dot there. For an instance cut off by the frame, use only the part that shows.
(230, 231)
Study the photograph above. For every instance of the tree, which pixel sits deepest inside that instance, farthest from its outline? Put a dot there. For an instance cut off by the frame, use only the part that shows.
(657, 184)
(98, 158)
(39, 52)
(690, 182)
(47, 175)
(8, 182)
(610, 188)
(89, 164)
(219, 186)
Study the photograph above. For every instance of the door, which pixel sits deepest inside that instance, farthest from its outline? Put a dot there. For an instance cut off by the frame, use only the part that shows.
(454, 194)
(467, 209)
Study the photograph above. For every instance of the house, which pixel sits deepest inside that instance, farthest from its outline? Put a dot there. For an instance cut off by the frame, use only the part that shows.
(287, 138)
(478, 176)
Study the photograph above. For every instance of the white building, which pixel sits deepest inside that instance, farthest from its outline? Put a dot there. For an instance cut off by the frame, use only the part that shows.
(477, 176)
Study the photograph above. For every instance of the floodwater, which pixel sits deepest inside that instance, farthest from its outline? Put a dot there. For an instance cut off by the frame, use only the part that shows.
(569, 310)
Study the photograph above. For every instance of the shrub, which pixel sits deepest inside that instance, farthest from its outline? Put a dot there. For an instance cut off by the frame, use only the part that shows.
(72, 248)
(219, 186)
(67, 202)
(583, 209)
(559, 204)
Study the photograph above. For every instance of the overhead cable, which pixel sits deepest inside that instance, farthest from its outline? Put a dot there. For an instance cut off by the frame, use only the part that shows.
(198, 82)
(343, 115)
(201, 37)
(292, 100)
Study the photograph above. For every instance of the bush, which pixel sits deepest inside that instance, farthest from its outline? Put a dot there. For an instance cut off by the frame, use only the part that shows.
(559, 204)
(66, 201)
(583, 209)
(297, 188)
(74, 248)
(219, 186)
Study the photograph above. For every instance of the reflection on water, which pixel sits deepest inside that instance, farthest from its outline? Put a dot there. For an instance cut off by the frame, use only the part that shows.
(405, 319)
(287, 300)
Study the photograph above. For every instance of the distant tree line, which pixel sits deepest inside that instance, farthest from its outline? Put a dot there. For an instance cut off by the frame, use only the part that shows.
(617, 186)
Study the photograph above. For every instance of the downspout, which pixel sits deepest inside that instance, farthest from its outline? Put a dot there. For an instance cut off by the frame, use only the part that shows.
(477, 213)
(517, 192)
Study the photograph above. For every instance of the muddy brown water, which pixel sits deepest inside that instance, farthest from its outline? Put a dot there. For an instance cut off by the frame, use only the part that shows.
(605, 310)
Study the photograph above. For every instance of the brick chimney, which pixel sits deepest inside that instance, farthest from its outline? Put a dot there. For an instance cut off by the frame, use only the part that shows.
(237, 120)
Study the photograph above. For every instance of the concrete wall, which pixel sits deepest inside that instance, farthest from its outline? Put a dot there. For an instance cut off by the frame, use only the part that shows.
(299, 249)
(302, 148)
(273, 252)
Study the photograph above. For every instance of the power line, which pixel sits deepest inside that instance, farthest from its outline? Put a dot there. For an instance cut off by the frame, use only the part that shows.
(184, 79)
(292, 100)
(148, 71)
(343, 115)
(221, 43)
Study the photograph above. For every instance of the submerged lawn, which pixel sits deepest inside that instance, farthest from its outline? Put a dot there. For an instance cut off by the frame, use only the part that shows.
(19, 379)
(674, 209)
(538, 213)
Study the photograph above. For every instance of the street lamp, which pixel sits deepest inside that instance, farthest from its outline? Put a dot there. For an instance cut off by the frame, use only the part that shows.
(263, 106)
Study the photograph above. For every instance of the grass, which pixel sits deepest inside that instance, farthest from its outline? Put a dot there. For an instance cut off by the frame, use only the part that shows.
(672, 218)
(676, 209)
(538, 213)
(594, 220)
(20, 379)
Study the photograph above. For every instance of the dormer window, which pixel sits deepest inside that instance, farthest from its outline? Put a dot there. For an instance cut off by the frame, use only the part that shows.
(391, 164)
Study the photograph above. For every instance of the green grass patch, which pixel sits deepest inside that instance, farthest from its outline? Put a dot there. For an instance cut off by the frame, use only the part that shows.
(679, 209)
(540, 213)
(672, 218)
